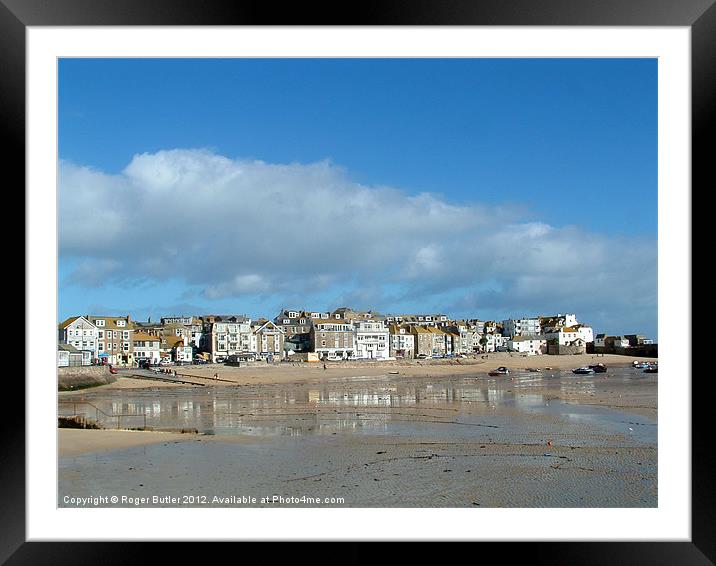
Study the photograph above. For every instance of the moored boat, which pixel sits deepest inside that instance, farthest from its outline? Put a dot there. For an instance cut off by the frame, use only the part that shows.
(583, 370)
(599, 368)
(502, 370)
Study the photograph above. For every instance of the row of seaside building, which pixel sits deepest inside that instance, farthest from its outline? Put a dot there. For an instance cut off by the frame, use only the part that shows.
(343, 334)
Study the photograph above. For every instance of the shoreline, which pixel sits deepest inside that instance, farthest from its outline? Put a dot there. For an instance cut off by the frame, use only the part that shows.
(309, 372)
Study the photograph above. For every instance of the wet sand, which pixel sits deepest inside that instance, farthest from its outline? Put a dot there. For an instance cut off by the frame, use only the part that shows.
(552, 439)
(74, 442)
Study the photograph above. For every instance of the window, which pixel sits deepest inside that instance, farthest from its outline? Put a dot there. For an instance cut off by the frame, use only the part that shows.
(120, 323)
(99, 322)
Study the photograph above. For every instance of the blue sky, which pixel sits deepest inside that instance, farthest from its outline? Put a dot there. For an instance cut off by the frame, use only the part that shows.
(520, 163)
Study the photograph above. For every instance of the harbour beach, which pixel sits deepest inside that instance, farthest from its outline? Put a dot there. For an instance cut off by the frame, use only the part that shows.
(452, 438)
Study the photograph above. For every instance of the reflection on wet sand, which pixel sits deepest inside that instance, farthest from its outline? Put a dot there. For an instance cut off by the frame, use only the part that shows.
(553, 439)
(343, 405)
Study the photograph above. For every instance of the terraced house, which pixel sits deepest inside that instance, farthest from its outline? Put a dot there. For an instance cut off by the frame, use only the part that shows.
(81, 334)
(333, 338)
(402, 342)
(193, 324)
(372, 340)
(423, 340)
(296, 327)
(227, 335)
(146, 348)
(267, 339)
(114, 339)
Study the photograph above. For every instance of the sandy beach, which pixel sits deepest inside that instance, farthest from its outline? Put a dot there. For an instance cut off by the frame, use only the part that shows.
(74, 442)
(450, 438)
(313, 372)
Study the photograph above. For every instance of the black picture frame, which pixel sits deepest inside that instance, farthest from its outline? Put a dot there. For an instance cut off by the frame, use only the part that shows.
(699, 15)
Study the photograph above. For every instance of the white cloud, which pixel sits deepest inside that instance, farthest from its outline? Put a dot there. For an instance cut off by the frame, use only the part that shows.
(235, 228)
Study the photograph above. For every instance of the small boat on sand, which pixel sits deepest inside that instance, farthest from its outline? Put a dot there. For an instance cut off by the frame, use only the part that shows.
(652, 369)
(499, 371)
(583, 370)
(599, 368)
(534, 370)
(641, 365)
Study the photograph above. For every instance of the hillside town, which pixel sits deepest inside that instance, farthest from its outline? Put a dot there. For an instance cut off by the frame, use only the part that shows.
(312, 336)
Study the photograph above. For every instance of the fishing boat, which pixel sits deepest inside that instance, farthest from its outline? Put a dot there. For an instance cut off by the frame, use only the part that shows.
(642, 365)
(499, 371)
(583, 370)
(599, 368)
(653, 368)
(534, 370)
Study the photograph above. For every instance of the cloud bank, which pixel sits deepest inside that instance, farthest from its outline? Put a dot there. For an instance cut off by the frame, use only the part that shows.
(234, 228)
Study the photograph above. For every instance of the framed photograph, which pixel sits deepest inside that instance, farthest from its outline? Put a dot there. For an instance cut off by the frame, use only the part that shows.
(402, 278)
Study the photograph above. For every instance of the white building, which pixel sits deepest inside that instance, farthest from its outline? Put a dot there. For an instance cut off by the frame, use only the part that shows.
(402, 342)
(585, 333)
(79, 332)
(372, 340)
(521, 327)
(493, 342)
(146, 348)
(568, 334)
(183, 354)
(430, 320)
(229, 336)
(527, 345)
(68, 355)
(549, 323)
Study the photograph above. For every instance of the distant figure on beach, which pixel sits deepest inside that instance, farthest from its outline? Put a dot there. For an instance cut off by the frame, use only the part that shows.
(324, 367)
(216, 376)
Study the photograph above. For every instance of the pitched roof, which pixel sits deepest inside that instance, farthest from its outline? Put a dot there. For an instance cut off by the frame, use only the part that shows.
(111, 321)
(174, 341)
(144, 337)
(67, 322)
